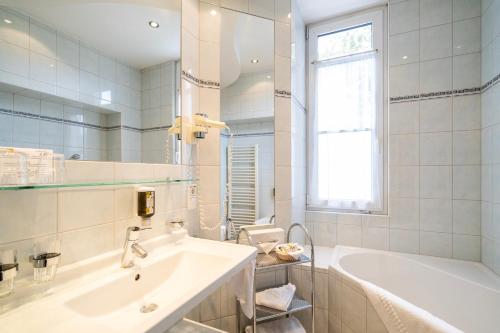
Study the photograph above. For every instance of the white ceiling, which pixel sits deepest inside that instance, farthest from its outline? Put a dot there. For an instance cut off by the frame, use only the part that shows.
(117, 28)
(318, 10)
(245, 37)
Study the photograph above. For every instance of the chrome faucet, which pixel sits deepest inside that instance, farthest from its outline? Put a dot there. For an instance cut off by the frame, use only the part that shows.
(131, 248)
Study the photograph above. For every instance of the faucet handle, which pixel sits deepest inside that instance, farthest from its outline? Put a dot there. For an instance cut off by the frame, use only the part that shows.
(133, 233)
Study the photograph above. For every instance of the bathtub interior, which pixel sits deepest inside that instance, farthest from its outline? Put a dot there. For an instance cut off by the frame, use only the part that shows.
(463, 302)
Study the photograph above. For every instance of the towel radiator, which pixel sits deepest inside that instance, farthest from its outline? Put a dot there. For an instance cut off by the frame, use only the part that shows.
(243, 184)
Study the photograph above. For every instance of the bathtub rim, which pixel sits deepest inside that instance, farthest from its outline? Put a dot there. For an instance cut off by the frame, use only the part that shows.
(452, 267)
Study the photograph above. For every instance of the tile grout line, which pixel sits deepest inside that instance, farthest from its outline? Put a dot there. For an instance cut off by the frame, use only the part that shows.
(453, 129)
(419, 135)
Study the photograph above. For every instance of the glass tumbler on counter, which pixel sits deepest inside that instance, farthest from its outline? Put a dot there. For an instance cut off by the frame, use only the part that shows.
(8, 270)
(45, 259)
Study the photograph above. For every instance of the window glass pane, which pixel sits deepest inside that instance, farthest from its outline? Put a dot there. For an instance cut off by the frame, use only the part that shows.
(344, 42)
(346, 95)
(345, 166)
(346, 169)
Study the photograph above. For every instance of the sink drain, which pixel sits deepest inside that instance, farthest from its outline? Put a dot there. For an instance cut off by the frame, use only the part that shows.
(149, 308)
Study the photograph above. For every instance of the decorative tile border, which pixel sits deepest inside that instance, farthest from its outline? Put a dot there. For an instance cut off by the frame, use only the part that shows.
(448, 93)
(209, 84)
(282, 93)
(491, 83)
(79, 123)
(200, 82)
(157, 128)
(436, 94)
(235, 135)
(216, 85)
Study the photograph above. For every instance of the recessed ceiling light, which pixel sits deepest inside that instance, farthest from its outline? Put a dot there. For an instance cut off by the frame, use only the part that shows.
(405, 57)
(268, 77)
(213, 12)
(254, 61)
(154, 24)
(7, 21)
(289, 15)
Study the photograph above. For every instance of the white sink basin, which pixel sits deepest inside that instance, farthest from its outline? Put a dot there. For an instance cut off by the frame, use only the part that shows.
(171, 274)
(170, 282)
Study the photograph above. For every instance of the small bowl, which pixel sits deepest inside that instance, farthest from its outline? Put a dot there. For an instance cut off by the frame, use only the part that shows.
(284, 254)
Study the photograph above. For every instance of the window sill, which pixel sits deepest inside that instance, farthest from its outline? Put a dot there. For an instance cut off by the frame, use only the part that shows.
(345, 211)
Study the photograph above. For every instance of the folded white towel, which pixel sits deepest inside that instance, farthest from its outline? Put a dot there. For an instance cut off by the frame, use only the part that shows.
(400, 316)
(288, 325)
(276, 298)
(241, 285)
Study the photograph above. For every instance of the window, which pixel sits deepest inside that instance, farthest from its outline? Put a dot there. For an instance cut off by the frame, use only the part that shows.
(346, 126)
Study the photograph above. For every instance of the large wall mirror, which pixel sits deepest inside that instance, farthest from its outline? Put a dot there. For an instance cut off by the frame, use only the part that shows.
(93, 80)
(247, 107)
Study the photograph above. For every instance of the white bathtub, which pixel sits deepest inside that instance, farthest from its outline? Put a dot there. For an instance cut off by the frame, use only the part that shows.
(464, 294)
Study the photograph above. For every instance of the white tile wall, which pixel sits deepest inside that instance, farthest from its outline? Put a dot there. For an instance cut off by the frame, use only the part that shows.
(89, 221)
(219, 310)
(53, 134)
(490, 136)
(158, 97)
(35, 56)
(434, 144)
(57, 64)
(250, 97)
(436, 42)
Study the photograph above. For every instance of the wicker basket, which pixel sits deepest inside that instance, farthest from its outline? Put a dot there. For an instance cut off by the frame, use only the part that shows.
(288, 256)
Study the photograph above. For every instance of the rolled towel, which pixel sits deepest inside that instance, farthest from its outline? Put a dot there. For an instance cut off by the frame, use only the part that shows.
(263, 220)
(276, 298)
(288, 325)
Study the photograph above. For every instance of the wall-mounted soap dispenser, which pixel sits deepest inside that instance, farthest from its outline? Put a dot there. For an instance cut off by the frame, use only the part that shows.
(146, 205)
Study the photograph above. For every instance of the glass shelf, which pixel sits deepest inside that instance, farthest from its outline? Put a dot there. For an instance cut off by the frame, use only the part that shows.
(95, 184)
(271, 261)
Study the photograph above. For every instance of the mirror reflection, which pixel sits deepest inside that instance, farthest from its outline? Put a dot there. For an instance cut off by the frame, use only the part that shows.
(247, 107)
(91, 80)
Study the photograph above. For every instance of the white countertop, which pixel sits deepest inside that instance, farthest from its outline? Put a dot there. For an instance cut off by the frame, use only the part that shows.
(106, 300)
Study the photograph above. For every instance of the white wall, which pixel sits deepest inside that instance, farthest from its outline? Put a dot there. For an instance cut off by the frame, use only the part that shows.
(88, 220)
(201, 60)
(34, 122)
(434, 143)
(490, 134)
(298, 116)
(37, 57)
(157, 110)
(249, 98)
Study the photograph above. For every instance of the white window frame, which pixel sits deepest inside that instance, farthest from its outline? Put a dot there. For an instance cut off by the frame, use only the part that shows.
(377, 17)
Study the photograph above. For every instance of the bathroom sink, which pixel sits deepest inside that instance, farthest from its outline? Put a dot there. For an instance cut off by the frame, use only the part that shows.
(151, 297)
(171, 274)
